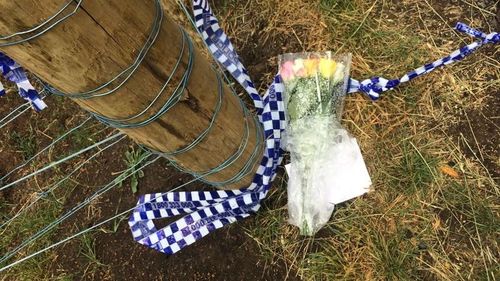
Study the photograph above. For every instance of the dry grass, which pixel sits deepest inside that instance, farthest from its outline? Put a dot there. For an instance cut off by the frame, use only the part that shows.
(422, 221)
(433, 213)
(19, 143)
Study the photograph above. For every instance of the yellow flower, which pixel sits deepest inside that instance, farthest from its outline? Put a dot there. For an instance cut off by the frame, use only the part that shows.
(311, 66)
(327, 67)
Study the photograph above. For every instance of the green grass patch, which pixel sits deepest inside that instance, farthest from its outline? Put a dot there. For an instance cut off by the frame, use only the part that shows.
(25, 143)
(30, 221)
(412, 171)
(22, 228)
(418, 223)
(82, 138)
(89, 253)
(132, 159)
(391, 50)
(466, 211)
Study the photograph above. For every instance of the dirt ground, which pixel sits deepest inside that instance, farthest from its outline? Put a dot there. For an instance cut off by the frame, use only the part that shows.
(228, 254)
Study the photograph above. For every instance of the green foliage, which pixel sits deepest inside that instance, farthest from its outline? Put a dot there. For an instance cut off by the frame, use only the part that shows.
(82, 138)
(393, 255)
(414, 171)
(26, 143)
(132, 158)
(88, 250)
(22, 227)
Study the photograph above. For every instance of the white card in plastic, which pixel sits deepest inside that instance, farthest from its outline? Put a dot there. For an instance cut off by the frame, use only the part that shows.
(349, 179)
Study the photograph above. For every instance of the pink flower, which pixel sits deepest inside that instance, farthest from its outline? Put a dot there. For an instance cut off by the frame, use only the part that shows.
(286, 71)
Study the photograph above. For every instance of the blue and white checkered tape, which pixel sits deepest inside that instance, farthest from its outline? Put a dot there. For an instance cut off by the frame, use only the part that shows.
(16, 74)
(210, 210)
(207, 211)
(222, 49)
(375, 86)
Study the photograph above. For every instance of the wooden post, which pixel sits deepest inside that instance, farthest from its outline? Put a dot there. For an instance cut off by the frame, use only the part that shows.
(101, 40)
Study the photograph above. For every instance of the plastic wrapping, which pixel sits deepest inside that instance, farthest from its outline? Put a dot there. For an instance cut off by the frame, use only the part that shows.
(325, 160)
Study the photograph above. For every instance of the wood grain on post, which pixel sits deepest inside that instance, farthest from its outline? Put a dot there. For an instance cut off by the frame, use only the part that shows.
(101, 40)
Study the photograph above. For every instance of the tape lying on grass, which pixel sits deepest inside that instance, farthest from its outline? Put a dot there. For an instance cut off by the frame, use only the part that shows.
(375, 86)
(207, 211)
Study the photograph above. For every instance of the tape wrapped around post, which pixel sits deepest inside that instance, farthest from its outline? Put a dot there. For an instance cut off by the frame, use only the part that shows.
(205, 212)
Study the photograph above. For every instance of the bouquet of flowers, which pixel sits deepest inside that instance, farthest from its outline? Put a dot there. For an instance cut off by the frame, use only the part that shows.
(320, 149)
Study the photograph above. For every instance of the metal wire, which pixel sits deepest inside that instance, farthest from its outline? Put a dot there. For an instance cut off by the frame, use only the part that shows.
(63, 136)
(172, 100)
(58, 162)
(53, 187)
(14, 114)
(126, 174)
(125, 75)
(38, 29)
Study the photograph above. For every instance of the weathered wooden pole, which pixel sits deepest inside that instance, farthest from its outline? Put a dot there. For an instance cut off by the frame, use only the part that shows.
(101, 40)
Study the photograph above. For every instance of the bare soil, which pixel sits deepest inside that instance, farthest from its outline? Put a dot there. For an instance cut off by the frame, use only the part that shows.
(227, 254)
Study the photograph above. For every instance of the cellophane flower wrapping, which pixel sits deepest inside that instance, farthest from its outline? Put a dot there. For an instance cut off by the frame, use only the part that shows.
(315, 87)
